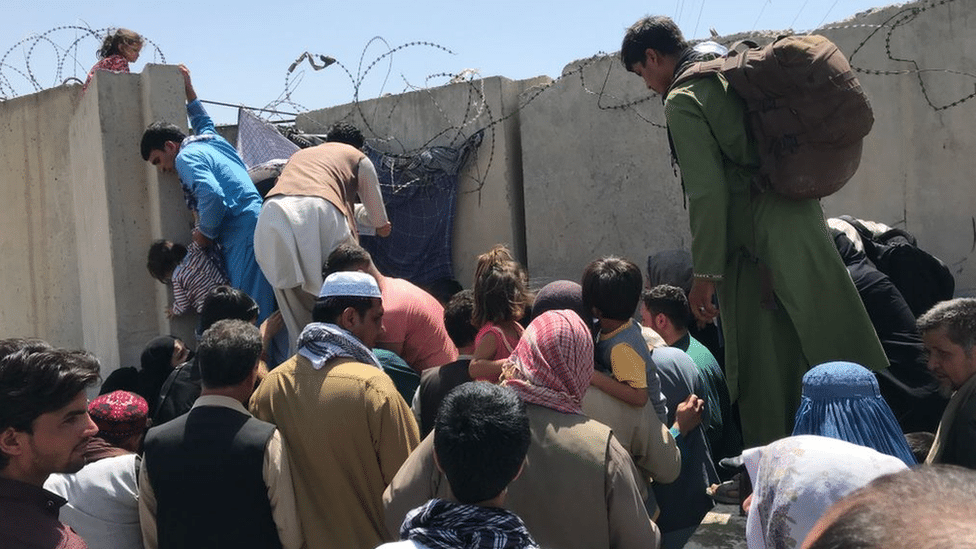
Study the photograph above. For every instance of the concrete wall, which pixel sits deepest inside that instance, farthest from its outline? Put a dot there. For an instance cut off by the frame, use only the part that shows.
(597, 181)
(81, 208)
(40, 286)
(567, 172)
(487, 215)
(598, 178)
(917, 166)
(121, 205)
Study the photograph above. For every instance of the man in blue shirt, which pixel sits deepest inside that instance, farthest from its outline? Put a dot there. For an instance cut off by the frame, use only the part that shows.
(217, 188)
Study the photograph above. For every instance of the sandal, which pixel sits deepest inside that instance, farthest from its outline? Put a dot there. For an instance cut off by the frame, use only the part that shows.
(727, 492)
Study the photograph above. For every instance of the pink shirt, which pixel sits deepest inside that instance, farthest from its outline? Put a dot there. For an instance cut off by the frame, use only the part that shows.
(113, 63)
(504, 345)
(413, 326)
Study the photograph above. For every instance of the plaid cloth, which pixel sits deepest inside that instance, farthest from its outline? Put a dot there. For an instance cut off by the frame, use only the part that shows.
(553, 363)
(320, 342)
(441, 524)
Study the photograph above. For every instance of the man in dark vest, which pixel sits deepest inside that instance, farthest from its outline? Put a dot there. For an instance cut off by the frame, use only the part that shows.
(216, 476)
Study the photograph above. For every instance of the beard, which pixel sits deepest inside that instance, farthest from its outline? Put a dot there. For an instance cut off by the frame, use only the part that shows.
(75, 464)
(945, 388)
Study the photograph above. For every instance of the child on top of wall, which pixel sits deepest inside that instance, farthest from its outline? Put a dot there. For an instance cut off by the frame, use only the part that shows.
(611, 291)
(192, 270)
(118, 50)
(500, 299)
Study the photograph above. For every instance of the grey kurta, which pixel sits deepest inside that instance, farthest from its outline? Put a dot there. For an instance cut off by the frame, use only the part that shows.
(819, 316)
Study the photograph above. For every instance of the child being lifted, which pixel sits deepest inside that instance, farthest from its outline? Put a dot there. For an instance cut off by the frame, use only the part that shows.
(192, 270)
(611, 291)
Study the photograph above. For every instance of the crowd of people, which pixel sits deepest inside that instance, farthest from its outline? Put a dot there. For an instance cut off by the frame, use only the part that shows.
(606, 413)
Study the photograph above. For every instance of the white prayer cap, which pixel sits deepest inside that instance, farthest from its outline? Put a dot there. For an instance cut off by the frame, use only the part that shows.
(350, 284)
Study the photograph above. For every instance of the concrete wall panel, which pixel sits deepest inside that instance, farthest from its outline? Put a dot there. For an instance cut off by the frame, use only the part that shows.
(916, 170)
(39, 290)
(598, 180)
(80, 210)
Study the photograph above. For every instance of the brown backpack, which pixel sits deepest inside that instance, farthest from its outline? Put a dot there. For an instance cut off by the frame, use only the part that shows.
(805, 109)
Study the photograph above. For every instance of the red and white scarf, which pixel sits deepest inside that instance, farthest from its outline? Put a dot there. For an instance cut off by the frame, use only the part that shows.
(553, 363)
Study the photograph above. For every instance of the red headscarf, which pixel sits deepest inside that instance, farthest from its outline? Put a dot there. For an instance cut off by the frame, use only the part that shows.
(553, 363)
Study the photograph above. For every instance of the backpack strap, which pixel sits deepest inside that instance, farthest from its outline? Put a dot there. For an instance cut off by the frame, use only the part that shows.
(730, 61)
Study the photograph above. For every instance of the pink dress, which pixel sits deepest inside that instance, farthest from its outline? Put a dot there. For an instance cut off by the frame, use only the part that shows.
(504, 344)
(113, 63)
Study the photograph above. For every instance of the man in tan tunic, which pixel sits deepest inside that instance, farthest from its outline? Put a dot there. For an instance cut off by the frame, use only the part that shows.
(308, 213)
(347, 427)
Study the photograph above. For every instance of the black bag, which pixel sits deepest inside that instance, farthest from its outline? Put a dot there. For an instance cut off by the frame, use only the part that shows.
(922, 278)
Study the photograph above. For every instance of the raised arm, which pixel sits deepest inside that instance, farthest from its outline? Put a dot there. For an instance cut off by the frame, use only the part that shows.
(200, 121)
(369, 193)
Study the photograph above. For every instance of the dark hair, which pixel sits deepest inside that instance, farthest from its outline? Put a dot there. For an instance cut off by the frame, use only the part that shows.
(156, 136)
(657, 33)
(224, 302)
(112, 43)
(481, 436)
(613, 286)
(457, 318)
(328, 309)
(499, 253)
(670, 300)
(920, 442)
(228, 353)
(35, 382)
(499, 294)
(443, 289)
(957, 316)
(163, 258)
(875, 517)
(342, 132)
(346, 257)
(11, 345)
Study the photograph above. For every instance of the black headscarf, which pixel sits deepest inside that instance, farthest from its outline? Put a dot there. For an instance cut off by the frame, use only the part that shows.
(157, 363)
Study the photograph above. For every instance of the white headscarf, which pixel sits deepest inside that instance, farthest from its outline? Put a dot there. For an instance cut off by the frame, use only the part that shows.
(796, 479)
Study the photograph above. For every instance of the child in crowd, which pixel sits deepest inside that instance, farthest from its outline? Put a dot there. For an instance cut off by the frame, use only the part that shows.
(481, 437)
(118, 50)
(500, 299)
(192, 270)
(611, 291)
(435, 383)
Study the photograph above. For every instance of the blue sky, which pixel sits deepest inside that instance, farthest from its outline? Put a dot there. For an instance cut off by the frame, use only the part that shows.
(239, 52)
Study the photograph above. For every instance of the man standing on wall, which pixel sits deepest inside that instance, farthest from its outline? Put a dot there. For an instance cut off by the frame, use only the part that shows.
(217, 187)
(787, 301)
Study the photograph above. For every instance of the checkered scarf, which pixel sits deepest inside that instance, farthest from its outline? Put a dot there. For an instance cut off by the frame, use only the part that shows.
(553, 363)
(441, 524)
(320, 342)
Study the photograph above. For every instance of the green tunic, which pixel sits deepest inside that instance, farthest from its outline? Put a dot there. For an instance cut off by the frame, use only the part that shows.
(818, 317)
